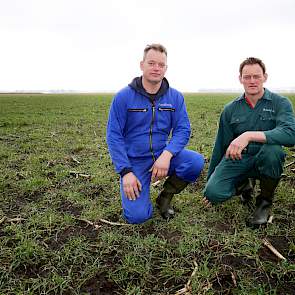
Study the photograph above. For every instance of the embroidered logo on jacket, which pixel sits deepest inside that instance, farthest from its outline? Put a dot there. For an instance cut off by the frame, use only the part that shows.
(268, 110)
(169, 105)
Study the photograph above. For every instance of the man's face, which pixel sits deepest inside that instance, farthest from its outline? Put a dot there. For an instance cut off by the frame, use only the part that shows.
(154, 66)
(252, 79)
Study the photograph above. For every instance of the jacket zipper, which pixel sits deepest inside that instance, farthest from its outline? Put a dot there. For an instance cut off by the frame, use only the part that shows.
(151, 130)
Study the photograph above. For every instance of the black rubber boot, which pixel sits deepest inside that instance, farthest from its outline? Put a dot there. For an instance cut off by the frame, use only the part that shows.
(164, 204)
(245, 189)
(263, 202)
(173, 185)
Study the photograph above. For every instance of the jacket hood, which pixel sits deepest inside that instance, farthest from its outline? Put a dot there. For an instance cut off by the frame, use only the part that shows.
(136, 84)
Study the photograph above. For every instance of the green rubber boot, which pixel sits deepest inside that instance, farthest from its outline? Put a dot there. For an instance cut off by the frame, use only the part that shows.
(263, 202)
(245, 190)
(173, 185)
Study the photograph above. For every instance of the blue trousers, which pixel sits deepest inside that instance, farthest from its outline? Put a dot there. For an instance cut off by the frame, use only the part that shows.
(221, 185)
(187, 165)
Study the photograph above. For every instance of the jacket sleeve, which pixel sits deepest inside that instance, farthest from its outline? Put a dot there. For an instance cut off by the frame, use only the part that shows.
(223, 139)
(115, 134)
(284, 132)
(181, 129)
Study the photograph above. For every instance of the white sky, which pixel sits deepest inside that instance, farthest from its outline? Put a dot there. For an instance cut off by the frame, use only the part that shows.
(97, 45)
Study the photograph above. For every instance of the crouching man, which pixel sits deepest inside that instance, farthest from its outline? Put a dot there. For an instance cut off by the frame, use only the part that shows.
(252, 130)
(148, 128)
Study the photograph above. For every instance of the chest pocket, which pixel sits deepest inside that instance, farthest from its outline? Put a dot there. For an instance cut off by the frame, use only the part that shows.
(164, 118)
(138, 119)
(239, 124)
(266, 116)
(267, 121)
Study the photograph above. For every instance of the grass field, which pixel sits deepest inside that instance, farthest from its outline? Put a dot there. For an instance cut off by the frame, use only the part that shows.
(57, 186)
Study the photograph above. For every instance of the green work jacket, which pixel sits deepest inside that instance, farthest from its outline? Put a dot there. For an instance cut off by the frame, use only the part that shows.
(272, 114)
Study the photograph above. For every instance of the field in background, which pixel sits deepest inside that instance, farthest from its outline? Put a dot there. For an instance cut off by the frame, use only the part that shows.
(58, 186)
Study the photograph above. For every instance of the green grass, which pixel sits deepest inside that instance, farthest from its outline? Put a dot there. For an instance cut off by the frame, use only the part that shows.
(46, 249)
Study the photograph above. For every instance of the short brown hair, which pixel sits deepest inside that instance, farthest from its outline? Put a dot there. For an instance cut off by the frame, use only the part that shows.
(252, 61)
(154, 46)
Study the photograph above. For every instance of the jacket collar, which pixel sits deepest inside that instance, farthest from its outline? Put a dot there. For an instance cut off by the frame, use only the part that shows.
(136, 84)
(266, 95)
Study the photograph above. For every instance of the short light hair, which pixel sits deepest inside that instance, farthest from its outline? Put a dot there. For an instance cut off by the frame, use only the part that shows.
(156, 47)
(252, 61)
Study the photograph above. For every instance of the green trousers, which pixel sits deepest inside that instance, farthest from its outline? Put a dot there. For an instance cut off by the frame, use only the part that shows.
(221, 185)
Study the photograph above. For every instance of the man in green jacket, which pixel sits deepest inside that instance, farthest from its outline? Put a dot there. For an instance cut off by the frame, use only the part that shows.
(252, 130)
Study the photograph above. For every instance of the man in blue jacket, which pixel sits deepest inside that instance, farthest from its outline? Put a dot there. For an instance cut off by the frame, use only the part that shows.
(148, 128)
(252, 130)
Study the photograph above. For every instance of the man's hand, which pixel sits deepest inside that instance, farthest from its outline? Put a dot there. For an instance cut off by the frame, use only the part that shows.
(234, 151)
(161, 166)
(131, 186)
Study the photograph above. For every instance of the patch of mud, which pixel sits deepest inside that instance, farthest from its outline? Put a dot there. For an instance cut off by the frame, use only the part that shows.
(112, 259)
(147, 229)
(282, 221)
(227, 279)
(214, 246)
(224, 227)
(31, 270)
(114, 217)
(100, 284)
(237, 262)
(224, 282)
(93, 191)
(32, 196)
(70, 208)
(286, 285)
(158, 283)
(16, 200)
(81, 229)
(281, 244)
(172, 236)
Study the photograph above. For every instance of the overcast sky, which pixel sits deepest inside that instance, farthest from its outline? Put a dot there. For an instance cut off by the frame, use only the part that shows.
(96, 45)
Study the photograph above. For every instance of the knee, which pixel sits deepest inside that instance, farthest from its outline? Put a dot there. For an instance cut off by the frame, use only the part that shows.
(211, 194)
(138, 215)
(195, 166)
(270, 151)
(216, 193)
(272, 155)
(198, 162)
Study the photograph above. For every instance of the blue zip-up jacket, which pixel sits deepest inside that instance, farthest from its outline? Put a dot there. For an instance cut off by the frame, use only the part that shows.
(140, 126)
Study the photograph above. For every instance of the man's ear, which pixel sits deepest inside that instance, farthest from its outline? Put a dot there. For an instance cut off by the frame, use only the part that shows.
(265, 77)
(141, 65)
(240, 79)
